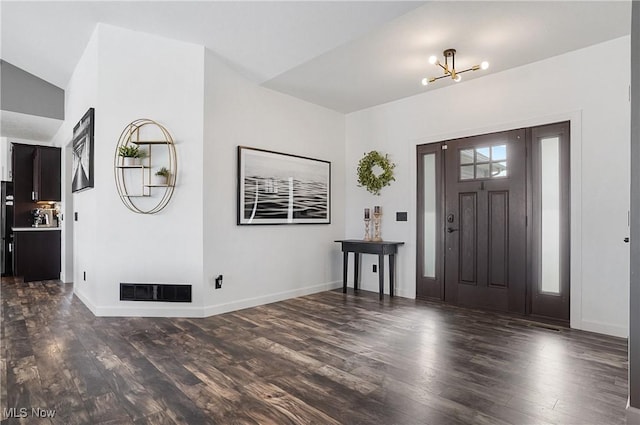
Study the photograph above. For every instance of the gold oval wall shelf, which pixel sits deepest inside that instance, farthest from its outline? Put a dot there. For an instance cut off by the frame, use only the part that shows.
(139, 176)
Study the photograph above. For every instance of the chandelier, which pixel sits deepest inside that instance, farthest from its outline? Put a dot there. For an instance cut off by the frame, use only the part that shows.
(449, 67)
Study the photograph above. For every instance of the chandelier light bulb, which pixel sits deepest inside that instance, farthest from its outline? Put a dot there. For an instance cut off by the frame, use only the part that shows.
(433, 59)
(458, 78)
(425, 81)
(484, 65)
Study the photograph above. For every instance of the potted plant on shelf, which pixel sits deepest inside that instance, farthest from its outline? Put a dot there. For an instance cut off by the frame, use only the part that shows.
(131, 154)
(162, 176)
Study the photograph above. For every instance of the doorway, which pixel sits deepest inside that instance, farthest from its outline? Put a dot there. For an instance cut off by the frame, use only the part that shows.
(494, 220)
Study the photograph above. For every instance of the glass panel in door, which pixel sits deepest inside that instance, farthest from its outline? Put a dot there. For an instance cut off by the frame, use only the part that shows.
(429, 215)
(550, 223)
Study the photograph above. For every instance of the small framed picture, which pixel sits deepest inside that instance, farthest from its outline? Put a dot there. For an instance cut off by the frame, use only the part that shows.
(278, 188)
(82, 147)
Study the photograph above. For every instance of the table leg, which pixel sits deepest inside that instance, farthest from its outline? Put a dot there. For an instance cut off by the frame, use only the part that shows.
(356, 271)
(392, 270)
(381, 274)
(345, 267)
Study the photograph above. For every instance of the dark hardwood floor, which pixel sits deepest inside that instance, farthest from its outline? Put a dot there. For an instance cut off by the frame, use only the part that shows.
(328, 358)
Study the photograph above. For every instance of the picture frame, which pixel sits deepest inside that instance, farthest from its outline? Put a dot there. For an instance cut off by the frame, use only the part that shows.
(82, 151)
(280, 188)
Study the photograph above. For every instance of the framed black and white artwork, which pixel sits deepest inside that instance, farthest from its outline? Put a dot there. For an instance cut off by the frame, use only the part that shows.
(278, 188)
(82, 148)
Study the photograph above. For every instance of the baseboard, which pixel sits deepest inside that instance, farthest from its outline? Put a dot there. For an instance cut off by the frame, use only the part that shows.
(85, 301)
(144, 309)
(633, 415)
(140, 309)
(212, 310)
(604, 328)
(405, 294)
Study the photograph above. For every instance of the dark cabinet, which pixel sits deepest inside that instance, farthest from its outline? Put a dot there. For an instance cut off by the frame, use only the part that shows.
(37, 254)
(36, 177)
(46, 174)
(22, 158)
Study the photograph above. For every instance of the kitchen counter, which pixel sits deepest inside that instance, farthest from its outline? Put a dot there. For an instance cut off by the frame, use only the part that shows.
(33, 229)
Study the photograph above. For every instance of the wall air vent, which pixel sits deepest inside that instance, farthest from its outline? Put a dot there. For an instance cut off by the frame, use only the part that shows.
(155, 292)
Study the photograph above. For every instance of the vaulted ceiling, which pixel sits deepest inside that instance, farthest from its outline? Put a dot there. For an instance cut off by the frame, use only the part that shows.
(345, 55)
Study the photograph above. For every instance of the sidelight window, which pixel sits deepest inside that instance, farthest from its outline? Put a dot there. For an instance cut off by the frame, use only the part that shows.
(482, 163)
(550, 222)
(550, 214)
(429, 211)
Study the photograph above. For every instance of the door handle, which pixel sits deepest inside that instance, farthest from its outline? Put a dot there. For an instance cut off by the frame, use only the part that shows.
(626, 240)
(451, 230)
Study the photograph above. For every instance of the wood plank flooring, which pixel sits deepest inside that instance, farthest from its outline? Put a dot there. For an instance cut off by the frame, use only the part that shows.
(328, 358)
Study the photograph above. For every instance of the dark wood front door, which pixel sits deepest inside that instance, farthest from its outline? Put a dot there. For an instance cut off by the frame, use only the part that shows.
(485, 221)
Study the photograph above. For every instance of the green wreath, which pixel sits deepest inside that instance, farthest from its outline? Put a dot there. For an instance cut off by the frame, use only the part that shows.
(366, 177)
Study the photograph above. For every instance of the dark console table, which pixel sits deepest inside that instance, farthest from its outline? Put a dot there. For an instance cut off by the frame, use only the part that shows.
(365, 247)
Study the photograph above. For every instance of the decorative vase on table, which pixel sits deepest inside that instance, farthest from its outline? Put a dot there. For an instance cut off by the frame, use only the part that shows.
(377, 216)
(367, 221)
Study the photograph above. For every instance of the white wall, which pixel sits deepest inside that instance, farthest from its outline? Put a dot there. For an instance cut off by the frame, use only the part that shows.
(210, 110)
(126, 75)
(567, 87)
(81, 93)
(262, 264)
(5, 160)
